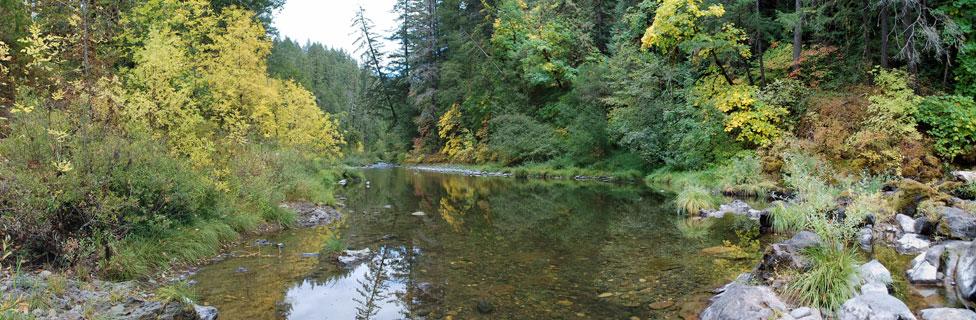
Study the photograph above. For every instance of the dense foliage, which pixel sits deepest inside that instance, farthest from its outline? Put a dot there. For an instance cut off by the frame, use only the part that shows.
(682, 84)
(136, 135)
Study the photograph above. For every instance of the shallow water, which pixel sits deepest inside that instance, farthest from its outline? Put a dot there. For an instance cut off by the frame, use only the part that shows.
(530, 249)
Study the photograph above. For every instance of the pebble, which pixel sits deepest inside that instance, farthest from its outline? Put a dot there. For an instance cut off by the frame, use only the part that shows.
(418, 214)
(605, 295)
(566, 303)
(241, 270)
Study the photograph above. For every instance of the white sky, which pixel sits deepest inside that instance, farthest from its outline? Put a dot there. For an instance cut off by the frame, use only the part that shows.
(328, 21)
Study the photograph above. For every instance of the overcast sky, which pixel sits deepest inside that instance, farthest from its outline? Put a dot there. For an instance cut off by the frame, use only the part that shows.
(328, 21)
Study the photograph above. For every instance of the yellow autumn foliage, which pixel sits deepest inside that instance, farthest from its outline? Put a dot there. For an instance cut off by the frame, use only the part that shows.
(200, 83)
(755, 121)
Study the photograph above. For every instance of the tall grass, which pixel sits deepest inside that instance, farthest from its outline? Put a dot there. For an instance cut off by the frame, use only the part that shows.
(832, 279)
(692, 199)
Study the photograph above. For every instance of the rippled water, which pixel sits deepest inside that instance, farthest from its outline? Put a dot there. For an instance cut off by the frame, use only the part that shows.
(522, 249)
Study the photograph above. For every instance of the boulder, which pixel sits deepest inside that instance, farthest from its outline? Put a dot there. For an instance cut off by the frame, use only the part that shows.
(957, 223)
(948, 314)
(864, 238)
(785, 255)
(735, 207)
(874, 287)
(874, 271)
(925, 267)
(907, 223)
(924, 227)
(911, 243)
(744, 302)
(875, 306)
(965, 273)
(964, 176)
(206, 312)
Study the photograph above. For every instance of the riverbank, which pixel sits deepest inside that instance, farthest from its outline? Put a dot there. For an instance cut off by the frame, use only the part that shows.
(534, 172)
(166, 294)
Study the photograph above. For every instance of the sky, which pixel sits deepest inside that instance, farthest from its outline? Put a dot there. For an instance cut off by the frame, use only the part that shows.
(328, 21)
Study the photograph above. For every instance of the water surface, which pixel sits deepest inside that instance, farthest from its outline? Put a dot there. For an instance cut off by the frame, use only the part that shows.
(523, 249)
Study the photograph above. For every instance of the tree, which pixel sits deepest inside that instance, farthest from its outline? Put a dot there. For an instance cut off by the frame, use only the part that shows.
(371, 49)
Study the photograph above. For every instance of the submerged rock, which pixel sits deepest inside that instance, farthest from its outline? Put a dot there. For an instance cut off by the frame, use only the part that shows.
(948, 314)
(350, 258)
(484, 307)
(418, 214)
(744, 302)
(875, 306)
(735, 207)
(206, 312)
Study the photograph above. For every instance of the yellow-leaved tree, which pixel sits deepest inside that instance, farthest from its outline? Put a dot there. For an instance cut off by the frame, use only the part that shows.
(200, 82)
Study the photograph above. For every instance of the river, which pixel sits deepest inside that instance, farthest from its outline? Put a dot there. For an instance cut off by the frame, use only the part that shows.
(484, 248)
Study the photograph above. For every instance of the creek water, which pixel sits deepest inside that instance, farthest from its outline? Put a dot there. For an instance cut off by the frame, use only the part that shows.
(485, 248)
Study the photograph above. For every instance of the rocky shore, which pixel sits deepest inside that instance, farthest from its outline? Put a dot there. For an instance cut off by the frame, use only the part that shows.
(934, 227)
(41, 294)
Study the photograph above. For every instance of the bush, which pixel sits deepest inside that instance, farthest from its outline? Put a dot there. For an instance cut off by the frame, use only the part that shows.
(952, 123)
(519, 138)
(880, 140)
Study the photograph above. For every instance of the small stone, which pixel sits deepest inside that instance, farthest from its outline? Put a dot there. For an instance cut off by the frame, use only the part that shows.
(605, 295)
(418, 214)
(309, 255)
(580, 314)
(241, 270)
(565, 303)
(661, 305)
(801, 312)
(484, 307)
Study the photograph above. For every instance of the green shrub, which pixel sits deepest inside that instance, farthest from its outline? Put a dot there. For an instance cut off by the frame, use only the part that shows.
(952, 123)
(692, 199)
(831, 280)
(334, 245)
(519, 138)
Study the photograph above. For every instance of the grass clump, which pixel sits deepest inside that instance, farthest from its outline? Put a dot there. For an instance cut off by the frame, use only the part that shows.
(692, 199)
(832, 279)
(334, 245)
(178, 292)
(695, 229)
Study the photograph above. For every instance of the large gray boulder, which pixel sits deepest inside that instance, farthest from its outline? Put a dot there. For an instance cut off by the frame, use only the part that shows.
(964, 176)
(864, 238)
(874, 271)
(925, 266)
(960, 224)
(907, 223)
(948, 314)
(911, 243)
(965, 273)
(875, 306)
(744, 302)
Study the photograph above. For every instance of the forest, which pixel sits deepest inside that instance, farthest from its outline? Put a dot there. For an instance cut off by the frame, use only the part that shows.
(137, 135)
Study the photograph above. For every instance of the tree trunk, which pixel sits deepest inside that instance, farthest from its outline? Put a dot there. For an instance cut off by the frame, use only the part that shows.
(885, 31)
(910, 54)
(798, 35)
(759, 48)
(721, 68)
(865, 25)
